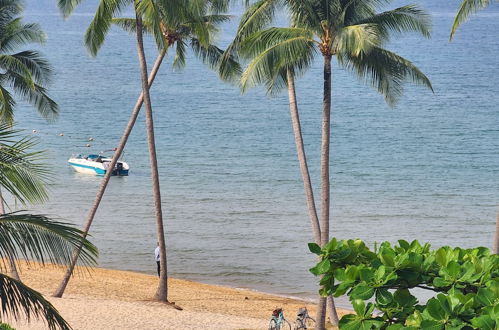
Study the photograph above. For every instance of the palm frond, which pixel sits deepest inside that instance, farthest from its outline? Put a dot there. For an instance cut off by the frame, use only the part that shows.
(98, 28)
(273, 51)
(67, 6)
(7, 104)
(18, 300)
(257, 17)
(386, 71)
(34, 94)
(218, 6)
(36, 237)
(16, 34)
(309, 14)
(179, 60)
(150, 12)
(211, 55)
(126, 24)
(9, 9)
(409, 18)
(467, 8)
(22, 175)
(37, 66)
(356, 39)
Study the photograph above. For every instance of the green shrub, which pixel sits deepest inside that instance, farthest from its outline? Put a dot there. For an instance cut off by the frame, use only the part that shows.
(465, 283)
(5, 326)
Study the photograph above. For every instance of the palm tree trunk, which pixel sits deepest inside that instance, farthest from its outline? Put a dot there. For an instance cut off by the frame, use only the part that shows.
(162, 292)
(495, 245)
(105, 180)
(325, 183)
(302, 158)
(13, 268)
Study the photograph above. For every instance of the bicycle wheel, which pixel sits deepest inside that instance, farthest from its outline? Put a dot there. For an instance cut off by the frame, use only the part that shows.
(309, 323)
(273, 325)
(299, 324)
(285, 325)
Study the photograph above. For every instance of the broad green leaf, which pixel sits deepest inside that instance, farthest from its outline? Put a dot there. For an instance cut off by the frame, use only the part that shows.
(404, 244)
(359, 306)
(414, 319)
(315, 248)
(366, 274)
(404, 298)
(440, 282)
(350, 322)
(431, 325)
(387, 257)
(362, 291)
(486, 296)
(484, 322)
(453, 270)
(383, 296)
(435, 309)
(331, 245)
(441, 256)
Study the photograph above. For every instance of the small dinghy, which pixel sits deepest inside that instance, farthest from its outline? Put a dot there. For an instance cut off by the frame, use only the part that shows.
(97, 165)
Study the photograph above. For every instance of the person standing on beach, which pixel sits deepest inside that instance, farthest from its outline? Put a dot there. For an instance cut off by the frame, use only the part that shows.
(156, 255)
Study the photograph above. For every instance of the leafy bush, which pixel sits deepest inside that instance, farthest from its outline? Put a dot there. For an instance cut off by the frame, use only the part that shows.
(465, 283)
(4, 326)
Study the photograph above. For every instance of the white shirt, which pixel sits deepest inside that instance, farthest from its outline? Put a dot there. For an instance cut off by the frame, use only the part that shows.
(156, 253)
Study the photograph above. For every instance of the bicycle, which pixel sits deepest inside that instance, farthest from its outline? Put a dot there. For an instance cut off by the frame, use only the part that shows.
(278, 322)
(303, 320)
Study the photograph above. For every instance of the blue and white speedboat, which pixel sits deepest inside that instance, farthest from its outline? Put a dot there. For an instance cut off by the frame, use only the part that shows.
(97, 165)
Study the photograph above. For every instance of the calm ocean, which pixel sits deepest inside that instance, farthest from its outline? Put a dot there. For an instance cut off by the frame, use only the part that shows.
(233, 199)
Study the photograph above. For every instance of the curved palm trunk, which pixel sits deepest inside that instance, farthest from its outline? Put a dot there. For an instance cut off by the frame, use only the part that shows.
(302, 158)
(495, 244)
(105, 180)
(162, 292)
(307, 183)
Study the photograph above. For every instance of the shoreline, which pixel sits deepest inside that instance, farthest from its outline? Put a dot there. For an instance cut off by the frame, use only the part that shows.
(112, 299)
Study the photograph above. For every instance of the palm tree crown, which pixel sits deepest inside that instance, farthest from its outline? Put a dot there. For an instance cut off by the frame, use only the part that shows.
(25, 73)
(351, 30)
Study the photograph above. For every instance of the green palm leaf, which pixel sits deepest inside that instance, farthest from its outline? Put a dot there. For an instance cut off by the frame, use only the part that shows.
(16, 34)
(18, 299)
(21, 174)
(467, 8)
(7, 104)
(386, 72)
(67, 6)
(356, 39)
(211, 56)
(26, 73)
(273, 51)
(98, 28)
(31, 236)
(409, 18)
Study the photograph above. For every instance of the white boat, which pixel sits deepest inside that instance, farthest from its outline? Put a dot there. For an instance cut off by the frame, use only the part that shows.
(97, 165)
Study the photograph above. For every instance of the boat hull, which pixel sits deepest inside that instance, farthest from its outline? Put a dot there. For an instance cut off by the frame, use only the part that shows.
(82, 165)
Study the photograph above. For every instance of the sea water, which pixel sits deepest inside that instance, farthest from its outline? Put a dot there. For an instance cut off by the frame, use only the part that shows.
(233, 201)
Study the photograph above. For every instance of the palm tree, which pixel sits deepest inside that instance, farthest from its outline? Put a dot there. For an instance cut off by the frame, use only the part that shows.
(31, 236)
(467, 8)
(352, 31)
(172, 23)
(25, 73)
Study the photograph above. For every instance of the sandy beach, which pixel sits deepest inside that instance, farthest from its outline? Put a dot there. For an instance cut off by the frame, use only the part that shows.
(111, 299)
